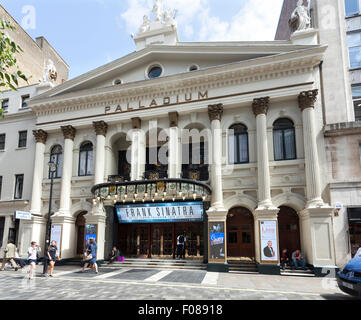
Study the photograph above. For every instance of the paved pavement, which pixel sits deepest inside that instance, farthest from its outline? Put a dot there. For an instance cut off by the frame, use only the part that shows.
(152, 284)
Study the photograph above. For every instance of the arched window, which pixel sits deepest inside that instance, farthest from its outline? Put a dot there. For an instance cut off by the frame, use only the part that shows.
(86, 159)
(56, 156)
(284, 141)
(238, 144)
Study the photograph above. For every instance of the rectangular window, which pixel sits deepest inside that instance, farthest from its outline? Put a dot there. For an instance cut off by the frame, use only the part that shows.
(352, 7)
(19, 183)
(2, 225)
(356, 96)
(24, 100)
(1, 185)
(5, 105)
(354, 48)
(22, 139)
(2, 141)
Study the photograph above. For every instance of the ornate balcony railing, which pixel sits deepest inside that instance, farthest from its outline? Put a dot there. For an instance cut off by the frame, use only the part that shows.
(156, 190)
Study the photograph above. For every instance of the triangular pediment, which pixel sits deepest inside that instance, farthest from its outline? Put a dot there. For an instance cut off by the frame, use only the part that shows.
(174, 60)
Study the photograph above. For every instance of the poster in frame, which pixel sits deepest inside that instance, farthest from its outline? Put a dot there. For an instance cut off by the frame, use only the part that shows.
(217, 251)
(56, 235)
(268, 235)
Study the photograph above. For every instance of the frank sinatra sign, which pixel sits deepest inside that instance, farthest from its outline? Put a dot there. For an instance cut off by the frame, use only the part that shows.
(160, 212)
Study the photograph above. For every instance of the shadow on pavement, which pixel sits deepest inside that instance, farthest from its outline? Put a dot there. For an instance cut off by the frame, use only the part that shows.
(339, 296)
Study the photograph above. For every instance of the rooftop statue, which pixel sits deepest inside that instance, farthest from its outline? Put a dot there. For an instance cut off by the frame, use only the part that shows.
(50, 73)
(300, 18)
(146, 24)
(157, 10)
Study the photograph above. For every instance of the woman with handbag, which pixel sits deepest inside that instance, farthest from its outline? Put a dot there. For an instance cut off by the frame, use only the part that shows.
(51, 255)
(91, 258)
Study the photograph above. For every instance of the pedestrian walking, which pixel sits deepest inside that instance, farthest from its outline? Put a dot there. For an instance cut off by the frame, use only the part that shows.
(33, 253)
(51, 255)
(9, 256)
(91, 259)
(19, 261)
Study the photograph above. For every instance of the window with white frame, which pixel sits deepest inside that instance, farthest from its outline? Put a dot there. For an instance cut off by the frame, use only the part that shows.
(354, 49)
(86, 159)
(5, 105)
(356, 96)
(19, 183)
(352, 7)
(22, 139)
(2, 141)
(56, 156)
(24, 100)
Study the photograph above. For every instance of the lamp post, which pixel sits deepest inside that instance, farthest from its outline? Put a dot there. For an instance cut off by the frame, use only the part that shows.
(52, 166)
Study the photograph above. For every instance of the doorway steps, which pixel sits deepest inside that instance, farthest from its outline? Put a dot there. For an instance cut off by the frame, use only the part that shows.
(297, 273)
(157, 264)
(242, 266)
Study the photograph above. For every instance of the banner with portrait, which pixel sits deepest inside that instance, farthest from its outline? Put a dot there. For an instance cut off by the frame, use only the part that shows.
(269, 241)
(55, 235)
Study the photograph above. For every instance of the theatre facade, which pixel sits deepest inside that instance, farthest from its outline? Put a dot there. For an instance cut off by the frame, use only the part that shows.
(220, 140)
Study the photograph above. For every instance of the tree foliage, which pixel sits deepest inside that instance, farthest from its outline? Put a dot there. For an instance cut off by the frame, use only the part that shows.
(9, 70)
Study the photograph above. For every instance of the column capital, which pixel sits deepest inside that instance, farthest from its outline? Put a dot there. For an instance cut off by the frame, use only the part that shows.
(307, 99)
(40, 135)
(68, 132)
(173, 119)
(100, 128)
(215, 111)
(260, 106)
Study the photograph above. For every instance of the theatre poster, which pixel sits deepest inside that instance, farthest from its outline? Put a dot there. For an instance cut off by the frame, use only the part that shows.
(269, 241)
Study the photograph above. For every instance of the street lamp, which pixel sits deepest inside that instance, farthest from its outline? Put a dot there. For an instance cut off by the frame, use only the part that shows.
(52, 167)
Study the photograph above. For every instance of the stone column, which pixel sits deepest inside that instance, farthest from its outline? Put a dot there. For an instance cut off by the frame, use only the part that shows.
(265, 210)
(260, 108)
(40, 137)
(173, 146)
(215, 113)
(217, 214)
(100, 128)
(138, 151)
(317, 218)
(65, 200)
(306, 101)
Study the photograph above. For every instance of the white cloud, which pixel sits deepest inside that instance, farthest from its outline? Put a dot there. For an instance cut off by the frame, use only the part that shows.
(256, 19)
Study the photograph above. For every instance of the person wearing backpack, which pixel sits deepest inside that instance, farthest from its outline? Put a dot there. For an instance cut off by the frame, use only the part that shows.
(181, 240)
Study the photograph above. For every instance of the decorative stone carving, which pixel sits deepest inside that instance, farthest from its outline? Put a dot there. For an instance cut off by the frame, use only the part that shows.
(215, 111)
(40, 136)
(173, 119)
(157, 10)
(68, 132)
(260, 106)
(50, 73)
(100, 128)
(307, 99)
(146, 24)
(300, 18)
(136, 123)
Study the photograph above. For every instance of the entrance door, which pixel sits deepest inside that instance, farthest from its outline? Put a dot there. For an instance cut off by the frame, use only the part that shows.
(240, 226)
(80, 224)
(289, 229)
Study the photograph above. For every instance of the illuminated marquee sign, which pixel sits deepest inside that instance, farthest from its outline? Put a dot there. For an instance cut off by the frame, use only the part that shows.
(160, 212)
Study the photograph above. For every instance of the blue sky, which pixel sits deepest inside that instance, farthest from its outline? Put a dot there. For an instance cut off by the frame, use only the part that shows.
(90, 33)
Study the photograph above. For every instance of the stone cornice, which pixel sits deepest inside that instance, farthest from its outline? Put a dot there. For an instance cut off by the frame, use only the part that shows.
(266, 68)
(215, 111)
(68, 132)
(307, 99)
(342, 129)
(40, 136)
(100, 128)
(260, 106)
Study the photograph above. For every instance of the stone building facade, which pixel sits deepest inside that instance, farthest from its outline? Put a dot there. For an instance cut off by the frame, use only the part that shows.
(258, 111)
